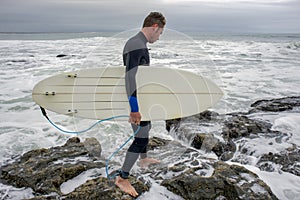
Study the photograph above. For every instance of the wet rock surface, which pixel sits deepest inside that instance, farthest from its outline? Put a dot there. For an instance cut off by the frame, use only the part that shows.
(242, 126)
(276, 105)
(44, 170)
(64, 56)
(102, 188)
(185, 171)
(288, 161)
(227, 182)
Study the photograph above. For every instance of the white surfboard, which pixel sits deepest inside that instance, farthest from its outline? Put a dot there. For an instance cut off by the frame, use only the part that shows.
(163, 93)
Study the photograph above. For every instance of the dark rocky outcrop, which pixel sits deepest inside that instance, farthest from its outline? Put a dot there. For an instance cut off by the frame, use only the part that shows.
(98, 188)
(235, 126)
(207, 142)
(276, 105)
(44, 170)
(241, 126)
(227, 182)
(187, 172)
(64, 56)
(61, 55)
(288, 161)
(102, 188)
(205, 116)
(156, 142)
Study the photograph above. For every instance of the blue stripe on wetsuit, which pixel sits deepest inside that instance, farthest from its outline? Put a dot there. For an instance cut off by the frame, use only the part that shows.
(133, 104)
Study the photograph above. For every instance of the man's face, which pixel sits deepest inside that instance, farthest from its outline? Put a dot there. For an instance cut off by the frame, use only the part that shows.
(156, 31)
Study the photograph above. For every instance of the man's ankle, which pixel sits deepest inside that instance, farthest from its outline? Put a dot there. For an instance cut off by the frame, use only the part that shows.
(123, 175)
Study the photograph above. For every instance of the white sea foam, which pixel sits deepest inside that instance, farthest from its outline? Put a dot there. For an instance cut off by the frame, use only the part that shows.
(72, 184)
(284, 185)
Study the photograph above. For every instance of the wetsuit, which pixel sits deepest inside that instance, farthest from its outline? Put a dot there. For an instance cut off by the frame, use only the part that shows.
(135, 53)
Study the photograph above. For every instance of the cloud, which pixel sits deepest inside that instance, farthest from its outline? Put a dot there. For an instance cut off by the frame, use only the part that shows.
(188, 15)
(239, 16)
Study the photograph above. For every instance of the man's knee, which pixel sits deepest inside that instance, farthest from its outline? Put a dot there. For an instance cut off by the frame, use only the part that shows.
(138, 145)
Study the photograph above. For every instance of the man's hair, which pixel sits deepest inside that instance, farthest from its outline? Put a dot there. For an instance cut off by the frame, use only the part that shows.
(155, 18)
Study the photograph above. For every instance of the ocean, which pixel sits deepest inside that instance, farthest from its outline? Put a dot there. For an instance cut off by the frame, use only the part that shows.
(247, 67)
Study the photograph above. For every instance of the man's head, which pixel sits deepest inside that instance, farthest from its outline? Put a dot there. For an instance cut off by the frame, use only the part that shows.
(154, 18)
(153, 26)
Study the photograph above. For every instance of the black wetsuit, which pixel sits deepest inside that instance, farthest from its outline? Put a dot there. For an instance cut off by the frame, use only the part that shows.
(135, 53)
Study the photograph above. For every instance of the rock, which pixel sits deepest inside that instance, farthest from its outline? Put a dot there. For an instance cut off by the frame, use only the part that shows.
(227, 181)
(204, 141)
(207, 142)
(193, 176)
(183, 170)
(44, 170)
(93, 146)
(156, 142)
(191, 186)
(45, 197)
(242, 126)
(61, 55)
(101, 188)
(288, 161)
(173, 124)
(276, 105)
(98, 188)
(64, 55)
(235, 126)
(225, 151)
(207, 116)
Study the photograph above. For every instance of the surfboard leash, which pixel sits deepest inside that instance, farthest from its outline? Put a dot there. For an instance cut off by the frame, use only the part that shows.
(83, 131)
(115, 153)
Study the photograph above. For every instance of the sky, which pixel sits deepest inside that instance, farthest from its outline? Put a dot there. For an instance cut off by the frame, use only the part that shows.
(233, 16)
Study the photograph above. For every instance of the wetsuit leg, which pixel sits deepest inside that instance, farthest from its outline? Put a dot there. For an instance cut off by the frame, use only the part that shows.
(137, 148)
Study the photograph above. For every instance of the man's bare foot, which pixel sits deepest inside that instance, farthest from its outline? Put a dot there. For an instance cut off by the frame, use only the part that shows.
(148, 161)
(125, 186)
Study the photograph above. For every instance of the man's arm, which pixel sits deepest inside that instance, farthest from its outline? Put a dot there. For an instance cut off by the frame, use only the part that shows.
(132, 63)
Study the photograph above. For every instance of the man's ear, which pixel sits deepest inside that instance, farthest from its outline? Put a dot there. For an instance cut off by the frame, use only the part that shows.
(156, 27)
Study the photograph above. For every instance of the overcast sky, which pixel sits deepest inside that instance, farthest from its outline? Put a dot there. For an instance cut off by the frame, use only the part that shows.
(262, 16)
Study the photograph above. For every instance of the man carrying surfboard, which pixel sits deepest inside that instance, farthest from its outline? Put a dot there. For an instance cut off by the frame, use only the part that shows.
(136, 53)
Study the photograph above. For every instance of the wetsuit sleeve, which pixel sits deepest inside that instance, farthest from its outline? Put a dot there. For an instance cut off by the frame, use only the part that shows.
(132, 62)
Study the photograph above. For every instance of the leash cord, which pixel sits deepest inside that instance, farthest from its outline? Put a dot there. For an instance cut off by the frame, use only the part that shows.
(119, 149)
(83, 131)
